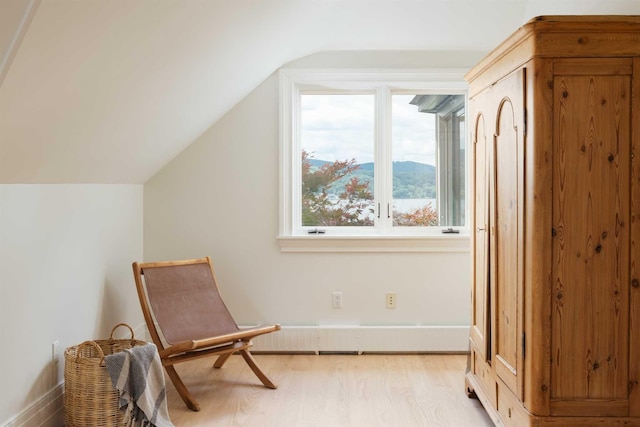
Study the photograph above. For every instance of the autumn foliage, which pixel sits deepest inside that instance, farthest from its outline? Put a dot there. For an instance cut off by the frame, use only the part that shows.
(424, 216)
(318, 209)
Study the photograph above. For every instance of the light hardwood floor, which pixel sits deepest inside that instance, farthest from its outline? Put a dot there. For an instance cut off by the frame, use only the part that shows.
(330, 391)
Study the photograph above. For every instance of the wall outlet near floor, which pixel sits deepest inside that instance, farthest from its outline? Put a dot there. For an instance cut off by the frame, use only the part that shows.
(336, 300)
(390, 300)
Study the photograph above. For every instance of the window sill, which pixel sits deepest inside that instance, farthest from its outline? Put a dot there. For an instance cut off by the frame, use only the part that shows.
(323, 243)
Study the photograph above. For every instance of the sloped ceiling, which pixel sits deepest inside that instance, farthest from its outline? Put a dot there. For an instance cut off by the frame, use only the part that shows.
(109, 91)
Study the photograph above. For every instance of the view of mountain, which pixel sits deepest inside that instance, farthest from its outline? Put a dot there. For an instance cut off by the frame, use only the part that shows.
(411, 180)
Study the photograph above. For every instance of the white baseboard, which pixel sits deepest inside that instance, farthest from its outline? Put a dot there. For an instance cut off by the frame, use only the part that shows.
(365, 339)
(48, 411)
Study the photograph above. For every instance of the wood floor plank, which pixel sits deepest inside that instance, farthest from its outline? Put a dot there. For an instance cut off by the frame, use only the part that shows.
(330, 391)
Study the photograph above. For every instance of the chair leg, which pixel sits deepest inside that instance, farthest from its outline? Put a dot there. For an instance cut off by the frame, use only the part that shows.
(182, 389)
(248, 357)
(221, 360)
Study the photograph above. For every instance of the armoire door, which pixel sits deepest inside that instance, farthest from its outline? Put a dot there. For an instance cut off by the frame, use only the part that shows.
(591, 237)
(480, 127)
(506, 224)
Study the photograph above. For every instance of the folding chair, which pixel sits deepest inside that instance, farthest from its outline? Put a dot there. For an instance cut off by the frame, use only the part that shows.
(183, 298)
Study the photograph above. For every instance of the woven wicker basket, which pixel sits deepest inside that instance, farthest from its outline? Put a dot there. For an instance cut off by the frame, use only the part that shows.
(90, 400)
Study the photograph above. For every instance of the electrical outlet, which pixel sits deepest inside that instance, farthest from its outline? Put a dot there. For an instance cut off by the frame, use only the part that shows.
(55, 351)
(390, 300)
(336, 300)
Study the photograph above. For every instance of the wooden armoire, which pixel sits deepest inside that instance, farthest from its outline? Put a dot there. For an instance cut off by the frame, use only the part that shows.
(554, 117)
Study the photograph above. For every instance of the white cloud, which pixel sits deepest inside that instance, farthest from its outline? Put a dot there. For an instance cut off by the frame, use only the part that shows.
(338, 127)
(342, 127)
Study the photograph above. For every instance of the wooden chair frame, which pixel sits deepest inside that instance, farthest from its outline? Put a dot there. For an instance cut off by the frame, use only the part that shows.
(222, 345)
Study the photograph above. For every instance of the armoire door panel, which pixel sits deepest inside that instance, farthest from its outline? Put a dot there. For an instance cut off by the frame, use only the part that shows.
(591, 243)
(480, 327)
(506, 226)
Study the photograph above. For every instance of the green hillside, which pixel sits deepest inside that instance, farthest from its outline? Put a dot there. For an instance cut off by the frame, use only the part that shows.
(411, 180)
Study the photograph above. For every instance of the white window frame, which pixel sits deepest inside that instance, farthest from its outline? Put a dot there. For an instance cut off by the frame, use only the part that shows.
(291, 238)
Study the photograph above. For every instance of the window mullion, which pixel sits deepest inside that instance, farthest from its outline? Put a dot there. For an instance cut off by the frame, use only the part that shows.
(383, 165)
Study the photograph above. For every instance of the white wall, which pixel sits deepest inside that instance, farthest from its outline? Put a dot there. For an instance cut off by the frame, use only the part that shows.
(220, 198)
(65, 275)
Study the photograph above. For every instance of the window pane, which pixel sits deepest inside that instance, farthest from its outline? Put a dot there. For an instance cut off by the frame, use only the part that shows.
(337, 144)
(428, 160)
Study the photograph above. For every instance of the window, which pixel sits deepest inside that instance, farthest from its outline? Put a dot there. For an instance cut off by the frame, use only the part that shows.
(370, 157)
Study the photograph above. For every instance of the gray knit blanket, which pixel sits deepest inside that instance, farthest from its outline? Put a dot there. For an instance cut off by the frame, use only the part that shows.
(137, 375)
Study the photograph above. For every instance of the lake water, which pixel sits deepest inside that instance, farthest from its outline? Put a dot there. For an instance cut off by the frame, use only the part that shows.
(406, 205)
(400, 205)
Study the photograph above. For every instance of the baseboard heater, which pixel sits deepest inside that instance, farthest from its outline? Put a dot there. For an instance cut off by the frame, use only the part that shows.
(365, 339)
